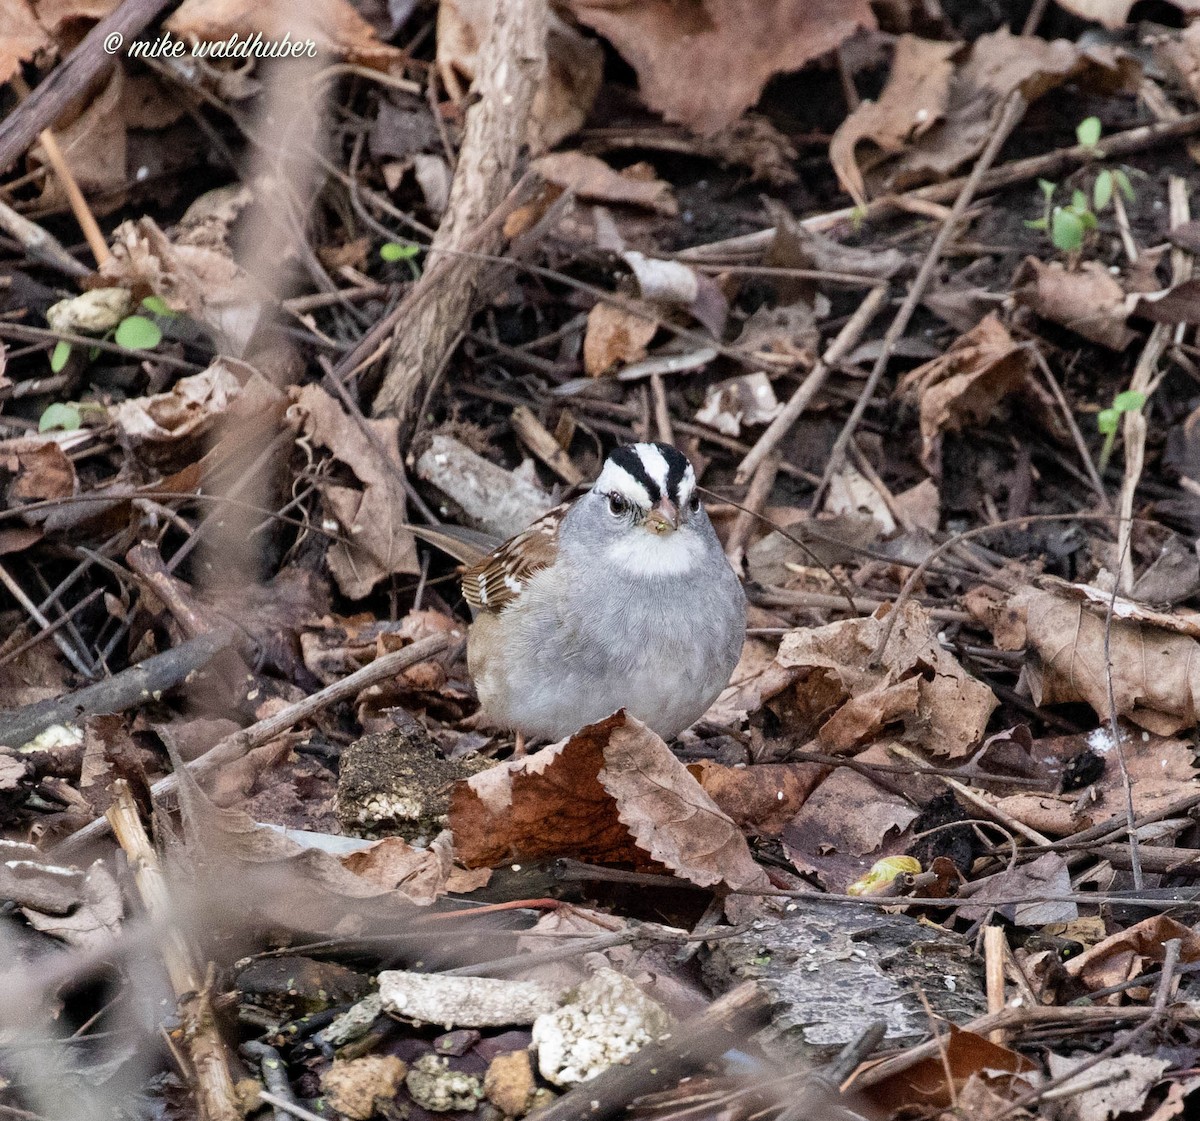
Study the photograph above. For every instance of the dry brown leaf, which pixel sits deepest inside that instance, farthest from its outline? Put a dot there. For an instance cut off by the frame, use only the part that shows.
(1160, 770)
(35, 469)
(202, 280)
(234, 864)
(594, 181)
(924, 127)
(1181, 53)
(991, 608)
(1047, 875)
(53, 14)
(847, 824)
(852, 495)
(921, 506)
(575, 68)
(22, 37)
(334, 24)
(1128, 952)
(748, 399)
(912, 102)
(612, 793)
(424, 875)
(1053, 815)
(1114, 1087)
(760, 799)
(1113, 13)
(94, 921)
(614, 338)
(756, 678)
(374, 540)
(189, 407)
(674, 284)
(1178, 304)
(1155, 673)
(963, 387)
(703, 63)
(1088, 300)
(934, 1083)
(919, 686)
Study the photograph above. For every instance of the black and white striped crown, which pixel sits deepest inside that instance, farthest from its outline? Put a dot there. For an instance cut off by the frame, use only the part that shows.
(645, 474)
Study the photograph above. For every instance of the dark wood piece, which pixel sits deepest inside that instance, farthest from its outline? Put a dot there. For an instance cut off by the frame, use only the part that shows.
(42, 108)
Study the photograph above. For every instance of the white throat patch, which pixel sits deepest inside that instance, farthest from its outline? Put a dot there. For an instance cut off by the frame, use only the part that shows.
(641, 552)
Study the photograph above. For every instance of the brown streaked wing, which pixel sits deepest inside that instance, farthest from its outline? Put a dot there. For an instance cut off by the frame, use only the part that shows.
(496, 581)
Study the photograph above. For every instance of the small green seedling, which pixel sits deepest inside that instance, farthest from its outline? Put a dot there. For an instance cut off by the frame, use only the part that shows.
(1109, 420)
(67, 415)
(1087, 132)
(1068, 226)
(1102, 189)
(134, 332)
(391, 251)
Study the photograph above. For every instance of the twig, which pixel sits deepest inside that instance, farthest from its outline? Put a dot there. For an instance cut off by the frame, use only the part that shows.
(1014, 109)
(512, 64)
(985, 808)
(132, 686)
(820, 1087)
(917, 573)
(1019, 171)
(993, 959)
(24, 333)
(205, 1048)
(847, 339)
(233, 747)
(534, 435)
(662, 413)
(63, 619)
(70, 185)
(41, 246)
(1036, 13)
(751, 510)
(1144, 381)
(1171, 950)
(274, 1072)
(290, 1107)
(60, 640)
(1010, 1020)
(1085, 455)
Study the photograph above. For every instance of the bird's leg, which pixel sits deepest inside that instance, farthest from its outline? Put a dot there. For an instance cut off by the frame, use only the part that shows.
(519, 746)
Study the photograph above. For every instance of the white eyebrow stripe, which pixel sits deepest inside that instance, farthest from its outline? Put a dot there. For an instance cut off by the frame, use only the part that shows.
(615, 478)
(655, 463)
(686, 485)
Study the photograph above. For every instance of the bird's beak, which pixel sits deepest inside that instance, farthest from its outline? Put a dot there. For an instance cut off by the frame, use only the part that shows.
(664, 518)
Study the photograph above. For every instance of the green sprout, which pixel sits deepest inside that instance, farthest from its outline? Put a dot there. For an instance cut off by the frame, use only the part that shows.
(391, 251)
(1108, 420)
(1069, 225)
(67, 415)
(1087, 132)
(134, 332)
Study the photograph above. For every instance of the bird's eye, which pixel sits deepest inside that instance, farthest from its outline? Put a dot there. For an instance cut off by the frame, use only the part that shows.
(618, 505)
(694, 504)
